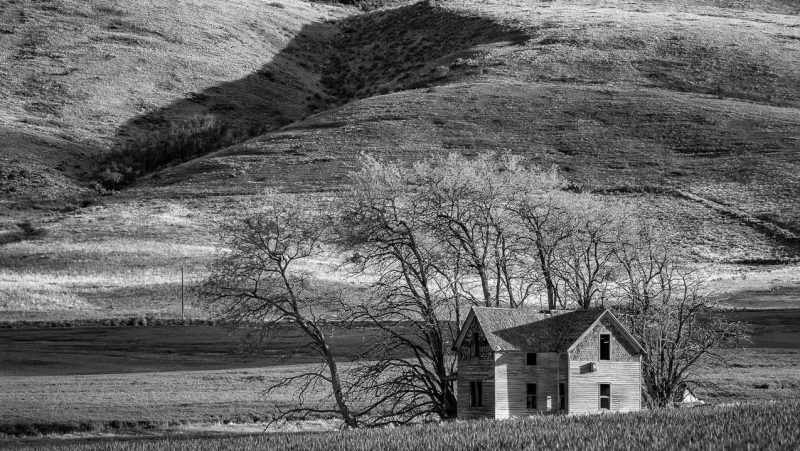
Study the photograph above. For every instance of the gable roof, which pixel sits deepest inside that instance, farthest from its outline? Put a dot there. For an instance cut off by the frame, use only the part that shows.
(527, 330)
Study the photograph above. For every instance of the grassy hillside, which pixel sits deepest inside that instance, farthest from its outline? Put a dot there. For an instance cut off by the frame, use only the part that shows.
(684, 111)
(696, 97)
(84, 78)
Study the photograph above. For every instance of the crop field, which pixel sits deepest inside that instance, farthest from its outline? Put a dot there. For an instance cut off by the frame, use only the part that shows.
(162, 378)
(770, 426)
(156, 376)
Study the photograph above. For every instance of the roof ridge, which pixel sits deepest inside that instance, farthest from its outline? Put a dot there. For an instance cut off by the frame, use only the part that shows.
(522, 328)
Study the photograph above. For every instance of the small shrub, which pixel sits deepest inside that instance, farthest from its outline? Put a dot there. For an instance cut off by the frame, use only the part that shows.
(30, 231)
(27, 231)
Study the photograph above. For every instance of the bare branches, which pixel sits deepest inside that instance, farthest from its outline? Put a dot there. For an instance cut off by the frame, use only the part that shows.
(432, 240)
(257, 281)
(449, 233)
(673, 321)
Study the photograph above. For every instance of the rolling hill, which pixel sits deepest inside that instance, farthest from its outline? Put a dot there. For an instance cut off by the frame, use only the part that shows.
(687, 112)
(84, 79)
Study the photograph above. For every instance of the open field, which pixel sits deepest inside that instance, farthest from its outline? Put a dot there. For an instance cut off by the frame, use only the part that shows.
(165, 377)
(755, 426)
(124, 349)
(167, 399)
(159, 376)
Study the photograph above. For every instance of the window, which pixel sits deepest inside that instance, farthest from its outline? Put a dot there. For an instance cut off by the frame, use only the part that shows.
(476, 394)
(605, 347)
(476, 341)
(531, 397)
(530, 358)
(562, 395)
(605, 396)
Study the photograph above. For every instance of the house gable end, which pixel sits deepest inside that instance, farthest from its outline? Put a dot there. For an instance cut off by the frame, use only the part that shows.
(464, 329)
(611, 323)
(587, 348)
(468, 348)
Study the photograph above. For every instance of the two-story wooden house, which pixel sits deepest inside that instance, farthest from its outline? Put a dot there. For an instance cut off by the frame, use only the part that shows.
(516, 362)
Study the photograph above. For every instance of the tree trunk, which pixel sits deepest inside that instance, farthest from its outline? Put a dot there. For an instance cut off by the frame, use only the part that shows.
(450, 402)
(336, 384)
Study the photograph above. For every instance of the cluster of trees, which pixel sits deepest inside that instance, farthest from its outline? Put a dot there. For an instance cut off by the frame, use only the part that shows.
(427, 241)
(167, 142)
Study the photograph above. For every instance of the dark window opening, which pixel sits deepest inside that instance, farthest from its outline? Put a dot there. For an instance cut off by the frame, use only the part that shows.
(476, 394)
(562, 395)
(531, 397)
(605, 347)
(530, 358)
(476, 340)
(605, 396)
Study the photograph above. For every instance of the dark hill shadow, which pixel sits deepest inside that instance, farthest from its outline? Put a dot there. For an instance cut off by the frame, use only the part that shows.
(325, 65)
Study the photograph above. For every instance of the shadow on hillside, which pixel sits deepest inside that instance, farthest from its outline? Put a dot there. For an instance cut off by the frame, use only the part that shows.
(325, 65)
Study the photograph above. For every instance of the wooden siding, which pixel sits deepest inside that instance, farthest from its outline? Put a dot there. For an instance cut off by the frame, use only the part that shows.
(473, 370)
(624, 377)
(563, 367)
(512, 375)
(467, 349)
(623, 372)
(588, 349)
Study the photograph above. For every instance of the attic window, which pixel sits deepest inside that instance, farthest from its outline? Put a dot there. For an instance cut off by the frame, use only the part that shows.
(605, 347)
(476, 342)
(530, 358)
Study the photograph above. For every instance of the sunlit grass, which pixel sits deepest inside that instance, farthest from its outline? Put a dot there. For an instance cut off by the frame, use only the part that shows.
(758, 426)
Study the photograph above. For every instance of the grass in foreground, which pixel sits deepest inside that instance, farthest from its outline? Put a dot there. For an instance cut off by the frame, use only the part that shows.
(756, 426)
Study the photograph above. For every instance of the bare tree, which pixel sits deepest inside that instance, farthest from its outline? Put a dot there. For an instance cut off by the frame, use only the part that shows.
(410, 290)
(585, 263)
(672, 319)
(545, 229)
(467, 204)
(257, 281)
(434, 239)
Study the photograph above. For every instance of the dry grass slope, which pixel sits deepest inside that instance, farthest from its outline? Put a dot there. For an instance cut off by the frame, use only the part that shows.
(636, 101)
(83, 77)
(636, 96)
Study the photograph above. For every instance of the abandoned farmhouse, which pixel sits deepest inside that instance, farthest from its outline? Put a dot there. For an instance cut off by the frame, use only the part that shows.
(517, 362)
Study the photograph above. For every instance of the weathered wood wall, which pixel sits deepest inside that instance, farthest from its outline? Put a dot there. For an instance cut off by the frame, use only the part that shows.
(512, 374)
(467, 349)
(473, 370)
(623, 372)
(589, 348)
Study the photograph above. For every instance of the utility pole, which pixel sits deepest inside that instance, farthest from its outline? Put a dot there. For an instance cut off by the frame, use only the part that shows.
(182, 315)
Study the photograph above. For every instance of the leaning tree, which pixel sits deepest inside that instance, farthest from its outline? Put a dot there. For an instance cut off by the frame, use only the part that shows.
(260, 281)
